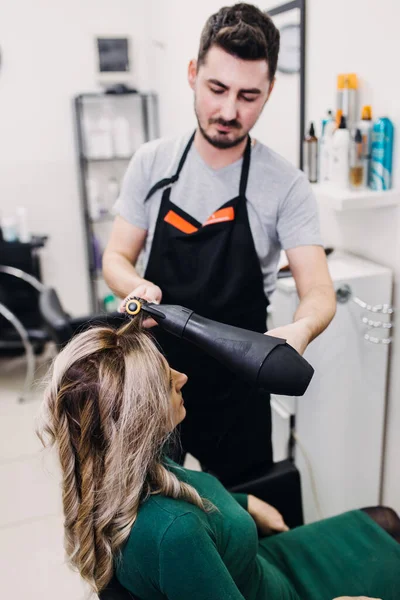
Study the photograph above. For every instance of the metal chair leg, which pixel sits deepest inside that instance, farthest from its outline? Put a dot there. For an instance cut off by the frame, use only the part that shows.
(30, 355)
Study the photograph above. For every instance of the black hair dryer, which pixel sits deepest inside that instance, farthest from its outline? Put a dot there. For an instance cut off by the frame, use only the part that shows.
(266, 361)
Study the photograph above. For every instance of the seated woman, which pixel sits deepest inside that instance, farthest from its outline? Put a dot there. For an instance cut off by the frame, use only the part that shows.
(164, 531)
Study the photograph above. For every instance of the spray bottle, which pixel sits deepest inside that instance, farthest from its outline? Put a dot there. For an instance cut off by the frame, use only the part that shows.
(311, 155)
(365, 126)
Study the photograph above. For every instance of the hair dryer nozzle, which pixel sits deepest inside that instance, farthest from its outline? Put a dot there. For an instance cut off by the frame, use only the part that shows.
(170, 317)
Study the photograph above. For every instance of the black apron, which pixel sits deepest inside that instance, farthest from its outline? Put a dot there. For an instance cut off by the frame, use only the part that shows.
(214, 270)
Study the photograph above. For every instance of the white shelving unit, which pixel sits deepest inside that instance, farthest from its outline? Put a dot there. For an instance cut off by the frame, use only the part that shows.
(341, 199)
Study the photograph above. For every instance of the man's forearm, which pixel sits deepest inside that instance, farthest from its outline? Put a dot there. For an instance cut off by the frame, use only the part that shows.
(316, 309)
(119, 273)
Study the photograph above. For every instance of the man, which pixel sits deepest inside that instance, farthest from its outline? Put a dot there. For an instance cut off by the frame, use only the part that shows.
(212, 211)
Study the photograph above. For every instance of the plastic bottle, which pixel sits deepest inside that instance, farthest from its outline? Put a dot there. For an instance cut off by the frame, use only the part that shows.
(110, 303)
(24, 235)
(9, 228)
(356, 169)
(94, 204)
(97, 254)
(339, 97)
(381, 154)
(103, 145)
(325, 148)
(365, 126)
(311, 155)
(340, 154)
(112, 192)
(122, 137)
(350, 100)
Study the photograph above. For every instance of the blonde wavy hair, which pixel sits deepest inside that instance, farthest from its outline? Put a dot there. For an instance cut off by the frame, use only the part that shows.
(107, 411)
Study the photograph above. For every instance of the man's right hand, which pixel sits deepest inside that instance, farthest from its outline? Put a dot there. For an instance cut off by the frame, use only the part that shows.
(148, 291)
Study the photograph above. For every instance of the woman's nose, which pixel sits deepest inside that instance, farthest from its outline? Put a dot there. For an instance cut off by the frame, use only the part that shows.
(183, 378)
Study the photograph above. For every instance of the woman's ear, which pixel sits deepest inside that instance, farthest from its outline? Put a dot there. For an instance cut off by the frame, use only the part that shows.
(192, 73)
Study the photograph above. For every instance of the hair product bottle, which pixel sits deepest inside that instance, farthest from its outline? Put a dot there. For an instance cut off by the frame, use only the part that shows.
(350, 100)
(325, 148)
(356, 171)
(365, 126)
(311, 155)
(381, 154)
(340, 154)
(339, 98)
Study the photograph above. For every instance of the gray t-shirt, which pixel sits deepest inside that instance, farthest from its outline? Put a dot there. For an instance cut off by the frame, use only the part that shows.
(281, 206)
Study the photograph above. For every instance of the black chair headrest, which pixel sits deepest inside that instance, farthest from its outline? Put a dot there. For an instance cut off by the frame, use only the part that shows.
(56, 319)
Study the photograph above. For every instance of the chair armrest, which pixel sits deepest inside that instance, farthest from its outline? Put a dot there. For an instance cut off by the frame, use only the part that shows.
(19, 274)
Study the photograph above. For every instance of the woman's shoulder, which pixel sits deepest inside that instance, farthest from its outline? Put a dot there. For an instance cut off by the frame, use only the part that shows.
(162, 524)
(158, 518)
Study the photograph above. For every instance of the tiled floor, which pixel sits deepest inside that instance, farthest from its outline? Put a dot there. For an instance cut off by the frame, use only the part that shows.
(32, 560)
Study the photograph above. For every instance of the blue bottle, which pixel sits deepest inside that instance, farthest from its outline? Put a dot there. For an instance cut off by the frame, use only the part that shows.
(380, 177)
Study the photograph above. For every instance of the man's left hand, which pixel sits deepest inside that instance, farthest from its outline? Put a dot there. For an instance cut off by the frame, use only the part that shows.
(266, 517)
(296, 334)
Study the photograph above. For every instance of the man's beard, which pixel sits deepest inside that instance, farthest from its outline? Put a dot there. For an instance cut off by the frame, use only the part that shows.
(221, 143)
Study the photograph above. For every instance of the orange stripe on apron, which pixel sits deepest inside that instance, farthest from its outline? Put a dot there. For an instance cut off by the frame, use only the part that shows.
(176, 221)
(224, 214)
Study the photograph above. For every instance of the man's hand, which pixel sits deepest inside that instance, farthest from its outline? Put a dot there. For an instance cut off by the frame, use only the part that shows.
(356, 598)
(296, 334)
(266, 517)
(147, 291)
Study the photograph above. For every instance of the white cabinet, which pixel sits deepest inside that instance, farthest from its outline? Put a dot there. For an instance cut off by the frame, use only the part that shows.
(340, 419)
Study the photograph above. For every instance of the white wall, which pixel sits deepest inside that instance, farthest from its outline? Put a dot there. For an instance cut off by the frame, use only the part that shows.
(342, 36)
(48, 58)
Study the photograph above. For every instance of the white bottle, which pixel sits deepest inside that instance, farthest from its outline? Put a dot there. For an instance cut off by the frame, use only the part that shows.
(340, 155)
(122, 137)
(112, 192)
(103, 139)
(9, 229)
(94, 203)
(325, 153)
(23, 229)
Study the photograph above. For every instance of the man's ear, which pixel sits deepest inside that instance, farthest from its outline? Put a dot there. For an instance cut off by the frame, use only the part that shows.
(192, 73)
(271, 86)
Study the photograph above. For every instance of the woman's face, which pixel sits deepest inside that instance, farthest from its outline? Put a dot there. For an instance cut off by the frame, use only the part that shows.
(176, 382)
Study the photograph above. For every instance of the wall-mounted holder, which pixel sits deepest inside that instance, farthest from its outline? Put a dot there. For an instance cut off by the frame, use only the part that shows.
(344, 295)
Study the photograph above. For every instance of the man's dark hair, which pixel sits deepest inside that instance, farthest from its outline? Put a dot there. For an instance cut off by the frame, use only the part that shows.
(242, 30)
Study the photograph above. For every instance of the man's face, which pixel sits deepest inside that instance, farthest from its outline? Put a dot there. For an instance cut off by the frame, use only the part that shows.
(230, 94)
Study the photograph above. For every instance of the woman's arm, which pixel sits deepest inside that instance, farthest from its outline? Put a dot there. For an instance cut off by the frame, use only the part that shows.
(241, 499)
(266, 517)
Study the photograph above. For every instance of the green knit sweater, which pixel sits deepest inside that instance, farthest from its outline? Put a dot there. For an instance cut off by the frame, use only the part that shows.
(179, 552)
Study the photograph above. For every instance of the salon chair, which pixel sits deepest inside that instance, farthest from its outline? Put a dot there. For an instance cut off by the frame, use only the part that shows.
(22, 329)
(279, 485)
